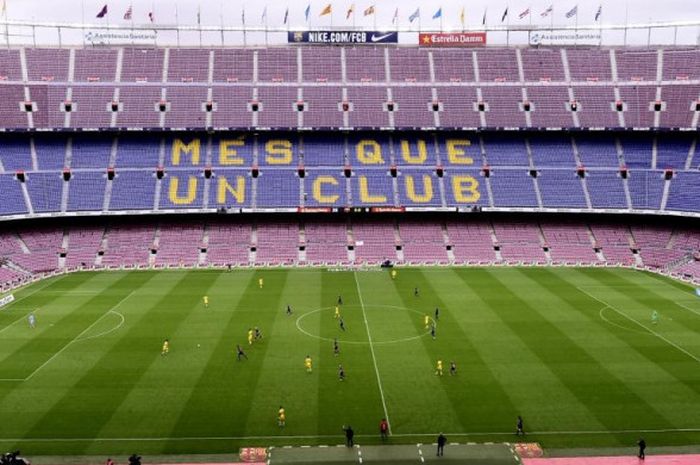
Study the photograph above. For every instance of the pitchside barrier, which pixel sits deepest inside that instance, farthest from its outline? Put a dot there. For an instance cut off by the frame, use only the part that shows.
(468, 454)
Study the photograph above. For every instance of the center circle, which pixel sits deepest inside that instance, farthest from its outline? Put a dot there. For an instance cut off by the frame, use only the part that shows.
(357, 335)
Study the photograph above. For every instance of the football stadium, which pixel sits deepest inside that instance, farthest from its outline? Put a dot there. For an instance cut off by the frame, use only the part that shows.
(326, 233)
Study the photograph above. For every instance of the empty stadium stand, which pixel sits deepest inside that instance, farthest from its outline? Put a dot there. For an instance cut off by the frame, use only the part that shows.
(47, 174)
(346, 87)
(31, 251)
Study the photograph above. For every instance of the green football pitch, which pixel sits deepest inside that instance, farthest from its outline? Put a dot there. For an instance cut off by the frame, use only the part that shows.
(574, 351)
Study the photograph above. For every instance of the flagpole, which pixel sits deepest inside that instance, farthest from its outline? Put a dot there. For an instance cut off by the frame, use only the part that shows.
(199, 23)
(221, 20)
(551, 20)
(507, 27)
(82, 23)
(152, 19)
(266, 26)
(626, 23)
(177, 26)
(132, 23)
(243, 23)
(374, 18)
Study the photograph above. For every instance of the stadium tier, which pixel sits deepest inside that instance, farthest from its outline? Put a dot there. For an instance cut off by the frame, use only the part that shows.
(195, 171)
(29, 251)
(346, 87)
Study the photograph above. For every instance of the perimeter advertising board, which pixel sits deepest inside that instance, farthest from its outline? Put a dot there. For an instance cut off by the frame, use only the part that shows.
(109, 37)
(565, 38)
(342, 37)
(452, 39)
(6, 300)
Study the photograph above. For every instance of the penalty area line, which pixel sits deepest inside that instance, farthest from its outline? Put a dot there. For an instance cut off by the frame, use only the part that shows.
(41, 288)
(335, 436)
(649, 330)
(77, 338)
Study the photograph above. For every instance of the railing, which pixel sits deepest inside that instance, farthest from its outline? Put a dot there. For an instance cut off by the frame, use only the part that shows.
(32, 33)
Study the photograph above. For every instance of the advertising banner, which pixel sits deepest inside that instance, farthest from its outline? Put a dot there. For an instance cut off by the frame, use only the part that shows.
(342, 37)
(452, 39)
(6, 300)
(108, 37)
(564, 38)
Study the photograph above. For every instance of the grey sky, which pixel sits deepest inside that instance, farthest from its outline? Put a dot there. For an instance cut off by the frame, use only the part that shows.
(229, 12)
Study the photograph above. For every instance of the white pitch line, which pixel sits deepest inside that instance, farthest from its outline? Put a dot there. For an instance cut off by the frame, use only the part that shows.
(411, 435)
(600, 313)
(371, 349)
(649, 330)
(687, 308)
(109, 331)
(24, 297)
(77, 338)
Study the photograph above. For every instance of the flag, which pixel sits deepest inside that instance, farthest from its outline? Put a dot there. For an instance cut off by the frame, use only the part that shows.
(308, 10)
(327, 10)
(572, 12)
(546, 12)
(599, 12)
(243, 16)
(483, 19)
(438, 13)
(396, 16)
(461, 16)
(4, 8)
(505, 15)
(128, 13)
(264, 15)
(103, 12)
(199, 15)
(286, 15)
(369, 11)
(151, 16)
(351, 10)
(414, 16)
(524, 13)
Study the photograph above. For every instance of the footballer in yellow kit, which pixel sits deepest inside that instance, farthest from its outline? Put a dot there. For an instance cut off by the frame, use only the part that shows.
(336, 315)
(250, 337)
(281, 417)
(308, 363)
(438, 370)
(260, 283)
(166, 348)
(206, 301)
